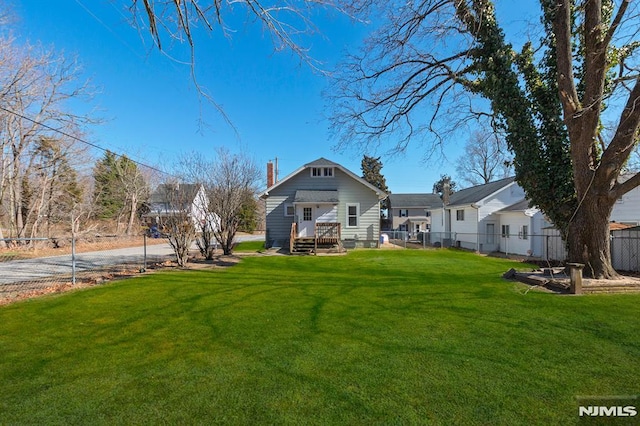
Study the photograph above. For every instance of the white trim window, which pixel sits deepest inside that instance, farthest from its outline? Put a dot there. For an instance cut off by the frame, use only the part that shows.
(505, 231)
(460, 215)
(353, 215)
(524, 232)
(320, 172)
(404, 212)
(289, 210)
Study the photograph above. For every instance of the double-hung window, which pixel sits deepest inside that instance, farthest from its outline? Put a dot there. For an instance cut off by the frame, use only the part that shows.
(353, 214)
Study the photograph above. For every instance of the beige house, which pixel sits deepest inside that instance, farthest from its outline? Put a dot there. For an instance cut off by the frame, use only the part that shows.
(410, 212)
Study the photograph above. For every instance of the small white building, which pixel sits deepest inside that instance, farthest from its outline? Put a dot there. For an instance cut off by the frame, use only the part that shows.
(521, 229)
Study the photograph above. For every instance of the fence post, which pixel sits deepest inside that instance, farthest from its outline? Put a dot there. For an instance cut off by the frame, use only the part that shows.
(73, 260)
(144, 261)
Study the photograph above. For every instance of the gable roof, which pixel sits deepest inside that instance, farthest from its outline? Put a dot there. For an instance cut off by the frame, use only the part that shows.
(398, 201)
(323, 162)
(521, 206)
(184, 192)
(479, 192)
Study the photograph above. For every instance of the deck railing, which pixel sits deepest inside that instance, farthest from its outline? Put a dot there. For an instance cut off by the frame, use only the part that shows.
(293, 236)
(328, 232)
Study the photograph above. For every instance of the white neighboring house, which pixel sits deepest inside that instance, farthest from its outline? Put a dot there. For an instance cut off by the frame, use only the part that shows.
(497, 217)
(627, 209)
(468, 218)
(492, 217)
(169, 200)
(521, 229)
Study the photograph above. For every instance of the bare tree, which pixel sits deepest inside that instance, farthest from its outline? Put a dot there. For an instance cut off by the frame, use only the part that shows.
(229, 181)
(485, 159)
(287, 23)
(56, 188)
(194, 167)
(35, 84)
(173, 205)
(234, 178)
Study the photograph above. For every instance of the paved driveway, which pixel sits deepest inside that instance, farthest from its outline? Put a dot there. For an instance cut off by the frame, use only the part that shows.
(46, 267)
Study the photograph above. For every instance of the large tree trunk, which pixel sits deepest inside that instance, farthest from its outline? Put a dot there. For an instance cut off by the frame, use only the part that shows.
(588, 237)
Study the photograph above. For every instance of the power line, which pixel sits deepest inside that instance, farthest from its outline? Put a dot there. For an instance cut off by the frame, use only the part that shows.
(111, 30)
(46, 126)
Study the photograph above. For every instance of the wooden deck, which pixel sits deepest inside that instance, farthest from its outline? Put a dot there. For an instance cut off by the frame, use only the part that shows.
(326, 239)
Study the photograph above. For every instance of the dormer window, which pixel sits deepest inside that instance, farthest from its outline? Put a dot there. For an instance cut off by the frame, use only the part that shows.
(321, 172)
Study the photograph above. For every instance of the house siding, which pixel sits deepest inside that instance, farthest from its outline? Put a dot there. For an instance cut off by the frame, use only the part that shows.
(515, 243)
(437, 220)
(627, 208)
(486, 214)
(350, 191)
(416, 211)
(466, 231)
(278, 226)
(533, 245)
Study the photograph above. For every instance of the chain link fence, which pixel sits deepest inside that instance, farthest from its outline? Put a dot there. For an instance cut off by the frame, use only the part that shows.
(547, 247)
(625, 250)
(36, 266)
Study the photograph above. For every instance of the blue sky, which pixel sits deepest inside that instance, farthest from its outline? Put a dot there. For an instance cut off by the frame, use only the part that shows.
(153, 111)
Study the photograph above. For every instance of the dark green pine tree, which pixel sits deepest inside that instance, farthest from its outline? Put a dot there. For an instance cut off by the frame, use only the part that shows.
(109, 196)
(438, 187)
(372, 173)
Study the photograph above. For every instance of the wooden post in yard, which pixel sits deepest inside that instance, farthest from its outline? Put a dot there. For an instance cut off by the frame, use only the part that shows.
(575, 276)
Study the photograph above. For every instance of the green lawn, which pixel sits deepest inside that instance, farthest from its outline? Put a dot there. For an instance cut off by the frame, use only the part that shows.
(374, 337)
(249, 246)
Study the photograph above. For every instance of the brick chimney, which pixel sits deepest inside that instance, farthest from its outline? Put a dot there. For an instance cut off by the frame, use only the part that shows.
(270, 181)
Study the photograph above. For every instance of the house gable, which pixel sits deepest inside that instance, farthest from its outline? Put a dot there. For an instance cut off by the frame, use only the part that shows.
(341, 188)
(411, 212)
(321, 165)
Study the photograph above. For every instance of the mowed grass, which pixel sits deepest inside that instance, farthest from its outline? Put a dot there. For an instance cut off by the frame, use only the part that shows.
(374, 337)
(249, 246)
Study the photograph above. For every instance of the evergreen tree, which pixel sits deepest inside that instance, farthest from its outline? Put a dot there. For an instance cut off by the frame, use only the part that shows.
(119, 188)
(108, 194)
(372, 173)
(439, 186)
